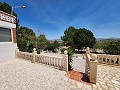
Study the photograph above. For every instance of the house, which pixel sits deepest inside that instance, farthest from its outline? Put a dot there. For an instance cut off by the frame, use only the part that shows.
(7, 36)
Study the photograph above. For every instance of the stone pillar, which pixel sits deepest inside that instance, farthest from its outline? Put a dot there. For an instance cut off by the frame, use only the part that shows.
(65, 61)
(93, 71)
(16, 51)
(87, 50)
(34, 53)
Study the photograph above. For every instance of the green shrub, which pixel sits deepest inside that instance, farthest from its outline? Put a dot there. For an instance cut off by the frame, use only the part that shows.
(62, 50)
(70, 53)
(112, 47)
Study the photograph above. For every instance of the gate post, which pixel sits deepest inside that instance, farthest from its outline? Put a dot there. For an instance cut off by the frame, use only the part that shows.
(16, 51)
(33, 54)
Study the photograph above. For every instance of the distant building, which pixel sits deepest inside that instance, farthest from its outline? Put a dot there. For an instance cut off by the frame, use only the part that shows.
(7, 35)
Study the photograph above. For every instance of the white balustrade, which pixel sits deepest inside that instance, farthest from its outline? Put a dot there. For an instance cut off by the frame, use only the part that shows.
(91, 66)
(55, 61)
(108, 59)
(24, 55)
(50, 60)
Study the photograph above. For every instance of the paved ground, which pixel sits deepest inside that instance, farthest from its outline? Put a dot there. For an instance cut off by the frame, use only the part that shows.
(79, 64)
(108, 78)
(24, 75)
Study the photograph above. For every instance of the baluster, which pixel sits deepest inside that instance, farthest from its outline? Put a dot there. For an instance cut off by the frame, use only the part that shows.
(57, 62)
(47, 60)
(119, 60)
(114, 58)
(102, 59)
(39, 59)
(43, 59)
(114, 62)
(51, 61)
(62, 63)
(109, 61)
(106, 59)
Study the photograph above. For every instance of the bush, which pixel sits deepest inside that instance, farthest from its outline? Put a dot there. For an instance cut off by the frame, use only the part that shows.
(112, 47)
(62, 50)
(70, 53)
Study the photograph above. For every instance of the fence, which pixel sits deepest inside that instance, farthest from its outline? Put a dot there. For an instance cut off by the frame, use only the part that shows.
(109, 59)
(91, 66)
(55, 61)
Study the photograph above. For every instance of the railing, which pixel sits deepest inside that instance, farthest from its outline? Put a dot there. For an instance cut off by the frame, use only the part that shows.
(109, 59)
(55, 61)
(91, 66)
(24, 55)
(51, 60)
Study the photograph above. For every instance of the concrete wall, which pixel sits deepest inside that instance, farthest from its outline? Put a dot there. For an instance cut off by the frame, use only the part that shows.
(7, 52)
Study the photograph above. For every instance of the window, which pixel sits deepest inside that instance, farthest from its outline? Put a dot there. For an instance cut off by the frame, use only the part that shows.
(5, 35)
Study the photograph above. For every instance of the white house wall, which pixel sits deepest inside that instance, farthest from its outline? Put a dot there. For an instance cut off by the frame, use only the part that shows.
(7, 24)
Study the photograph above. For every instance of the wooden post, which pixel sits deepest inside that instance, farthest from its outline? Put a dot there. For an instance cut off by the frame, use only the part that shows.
(34, 53)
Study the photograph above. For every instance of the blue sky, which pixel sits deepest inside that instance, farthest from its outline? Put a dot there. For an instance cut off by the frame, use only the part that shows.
(52, 17)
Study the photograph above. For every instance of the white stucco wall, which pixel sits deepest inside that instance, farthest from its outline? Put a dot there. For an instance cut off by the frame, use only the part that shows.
(7, 49)
(7, 52)
(7, 24)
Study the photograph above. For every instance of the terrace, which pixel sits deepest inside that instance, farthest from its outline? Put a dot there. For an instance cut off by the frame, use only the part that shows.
(20, 73)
